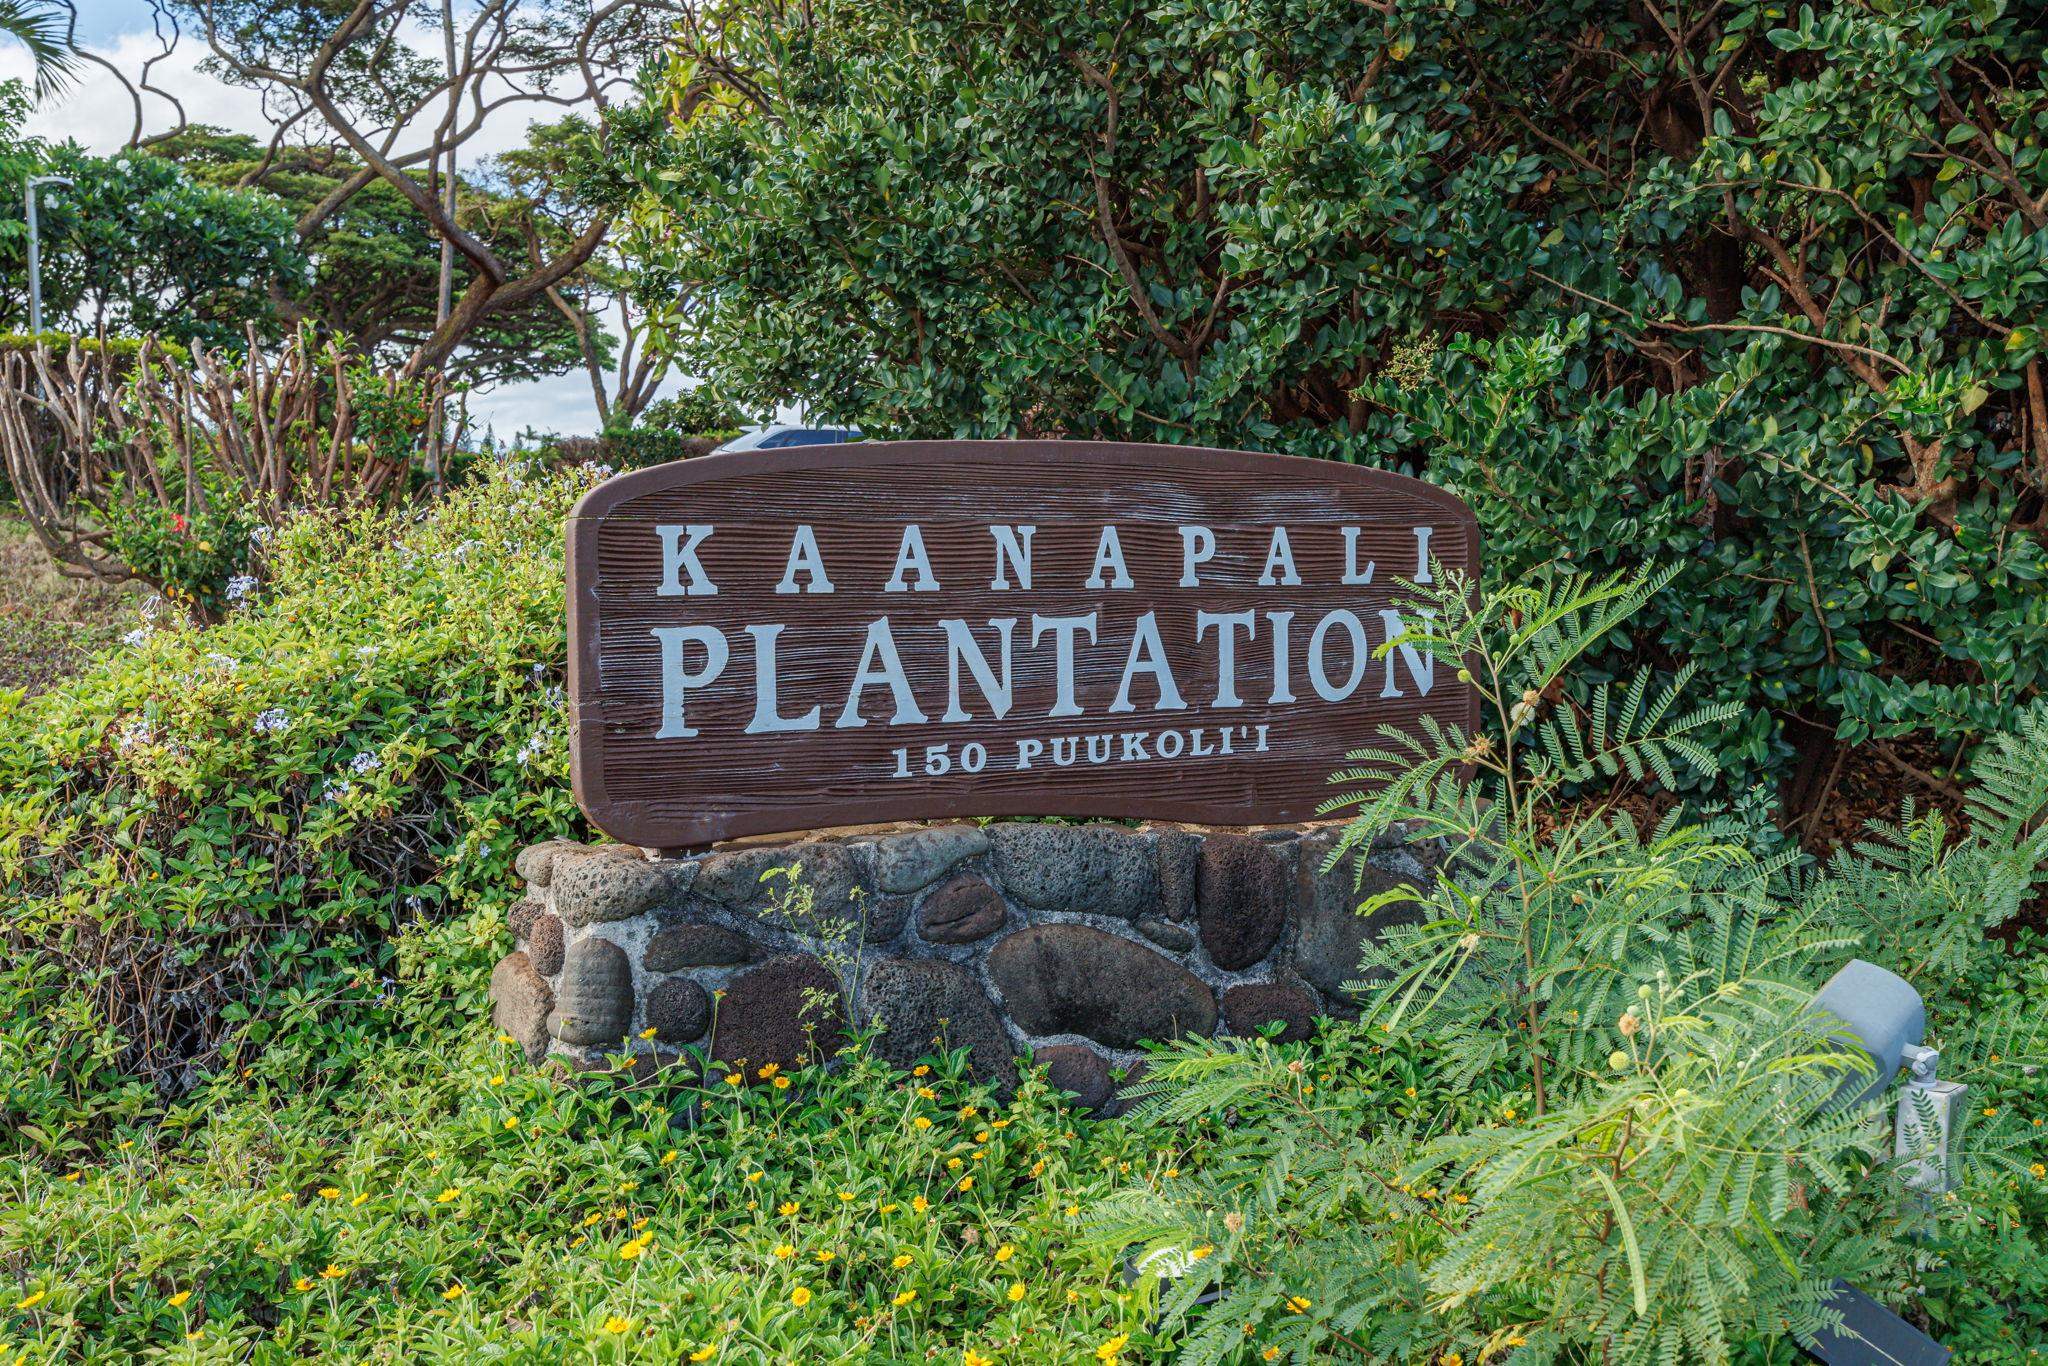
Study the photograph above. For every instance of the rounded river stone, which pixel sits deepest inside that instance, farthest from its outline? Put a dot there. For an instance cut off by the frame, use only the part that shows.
(1075, 979)
(1241, 898)
(679, 1010)
(544, 945)
(1076, 1069)
(916, 859)
(927, 1006)
(594, 1005)
(787, 1011)
(1248, 1008)
(697, 946)
(962, 911)
(1103, 869)
(614, 884)
(520, 1002)
(1331, 936)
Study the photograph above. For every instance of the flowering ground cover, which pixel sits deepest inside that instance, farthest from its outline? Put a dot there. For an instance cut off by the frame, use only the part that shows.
(455, 1205)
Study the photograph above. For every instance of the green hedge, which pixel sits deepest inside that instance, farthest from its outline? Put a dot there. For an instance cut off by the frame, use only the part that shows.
(219, 846)
(1753, 287)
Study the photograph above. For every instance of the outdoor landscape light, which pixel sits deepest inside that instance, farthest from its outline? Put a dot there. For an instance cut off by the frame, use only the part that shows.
(1888, 1020)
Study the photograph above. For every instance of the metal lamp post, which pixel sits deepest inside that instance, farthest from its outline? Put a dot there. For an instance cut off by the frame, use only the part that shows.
(35, 259)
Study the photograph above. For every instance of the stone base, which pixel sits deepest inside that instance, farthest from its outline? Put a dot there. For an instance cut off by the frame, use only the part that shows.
(1078, 942)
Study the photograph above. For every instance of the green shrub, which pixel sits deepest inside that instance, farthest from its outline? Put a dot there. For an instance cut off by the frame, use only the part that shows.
(458, 1207)
(1588, 1110)
(1750, 287)
(219, 845)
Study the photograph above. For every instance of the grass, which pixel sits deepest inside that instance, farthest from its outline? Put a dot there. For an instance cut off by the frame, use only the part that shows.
(50, 624)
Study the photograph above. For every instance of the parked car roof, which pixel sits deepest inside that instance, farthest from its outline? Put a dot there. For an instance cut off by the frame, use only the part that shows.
(776, 435)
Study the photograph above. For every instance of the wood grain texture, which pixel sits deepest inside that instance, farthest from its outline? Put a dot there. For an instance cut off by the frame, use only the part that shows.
(858, 499)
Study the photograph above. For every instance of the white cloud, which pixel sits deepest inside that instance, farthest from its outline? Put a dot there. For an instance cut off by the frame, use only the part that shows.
(97, 113)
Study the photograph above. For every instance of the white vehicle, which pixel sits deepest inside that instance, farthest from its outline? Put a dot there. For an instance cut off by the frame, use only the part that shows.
(776, 435)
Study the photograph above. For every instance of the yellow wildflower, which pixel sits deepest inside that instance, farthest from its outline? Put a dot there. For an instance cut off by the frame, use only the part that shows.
(1005, 1252)
(926, 1093)
(511, 1121)
(177, 1301)
(453, 1292)
(302, 1284)
(800, 1297)
(445, 1196)
(768, 1069)
(919, 1070)
(732, 1079)
(900, 1260)
(780, 1083)
(1299, 1303)
(846, 1197)
(648, 1033)
(498, 1080)
(903, 1297)
(705, 1353)
(920, 1204)
(755, 1176)
(1109, 1351)
(360, 1198)
(329, 1193)
(921, 1122)
(970, 1357)
(667, 1157)
(787, 1208)
(615, 1324)
(968, 1112)
(331, 1272)
(783, 1252)
(825, 1254)
(1016, 1291)
(966, 1183)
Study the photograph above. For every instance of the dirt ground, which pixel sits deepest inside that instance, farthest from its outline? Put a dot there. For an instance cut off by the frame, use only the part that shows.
(48, 623)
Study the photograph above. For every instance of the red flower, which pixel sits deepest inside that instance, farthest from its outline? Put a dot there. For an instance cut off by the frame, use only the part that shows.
(178, 522)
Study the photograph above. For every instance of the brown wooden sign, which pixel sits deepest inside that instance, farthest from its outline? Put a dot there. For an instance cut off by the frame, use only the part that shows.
(829, 635)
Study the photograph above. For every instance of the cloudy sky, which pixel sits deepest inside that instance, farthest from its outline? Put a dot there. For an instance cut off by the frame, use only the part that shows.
(96, 112)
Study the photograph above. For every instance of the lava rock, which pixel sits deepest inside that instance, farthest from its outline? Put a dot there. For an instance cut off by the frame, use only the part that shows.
(679, 1010)
(1253, 1005)
(1167, 935)
(675, 947)
(928, 1006)
(773, 1013)
(1179, 857)
(521, 917)
(1077, 1069)
(1103, 869)
(1331, 936)
(962, 911)
(544, 945)
(1075, 979)
(834, 876)
(536, 862)
(594, 1005)
(614, 884)
(520, 1002)
(1241, 896)
(915, 859)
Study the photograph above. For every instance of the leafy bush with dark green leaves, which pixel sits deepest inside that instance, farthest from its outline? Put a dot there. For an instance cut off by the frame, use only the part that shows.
(1751, 288)
(226, 846)
(135, 245)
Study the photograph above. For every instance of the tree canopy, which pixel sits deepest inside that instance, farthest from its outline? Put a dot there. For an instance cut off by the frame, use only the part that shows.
(1753, 291)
